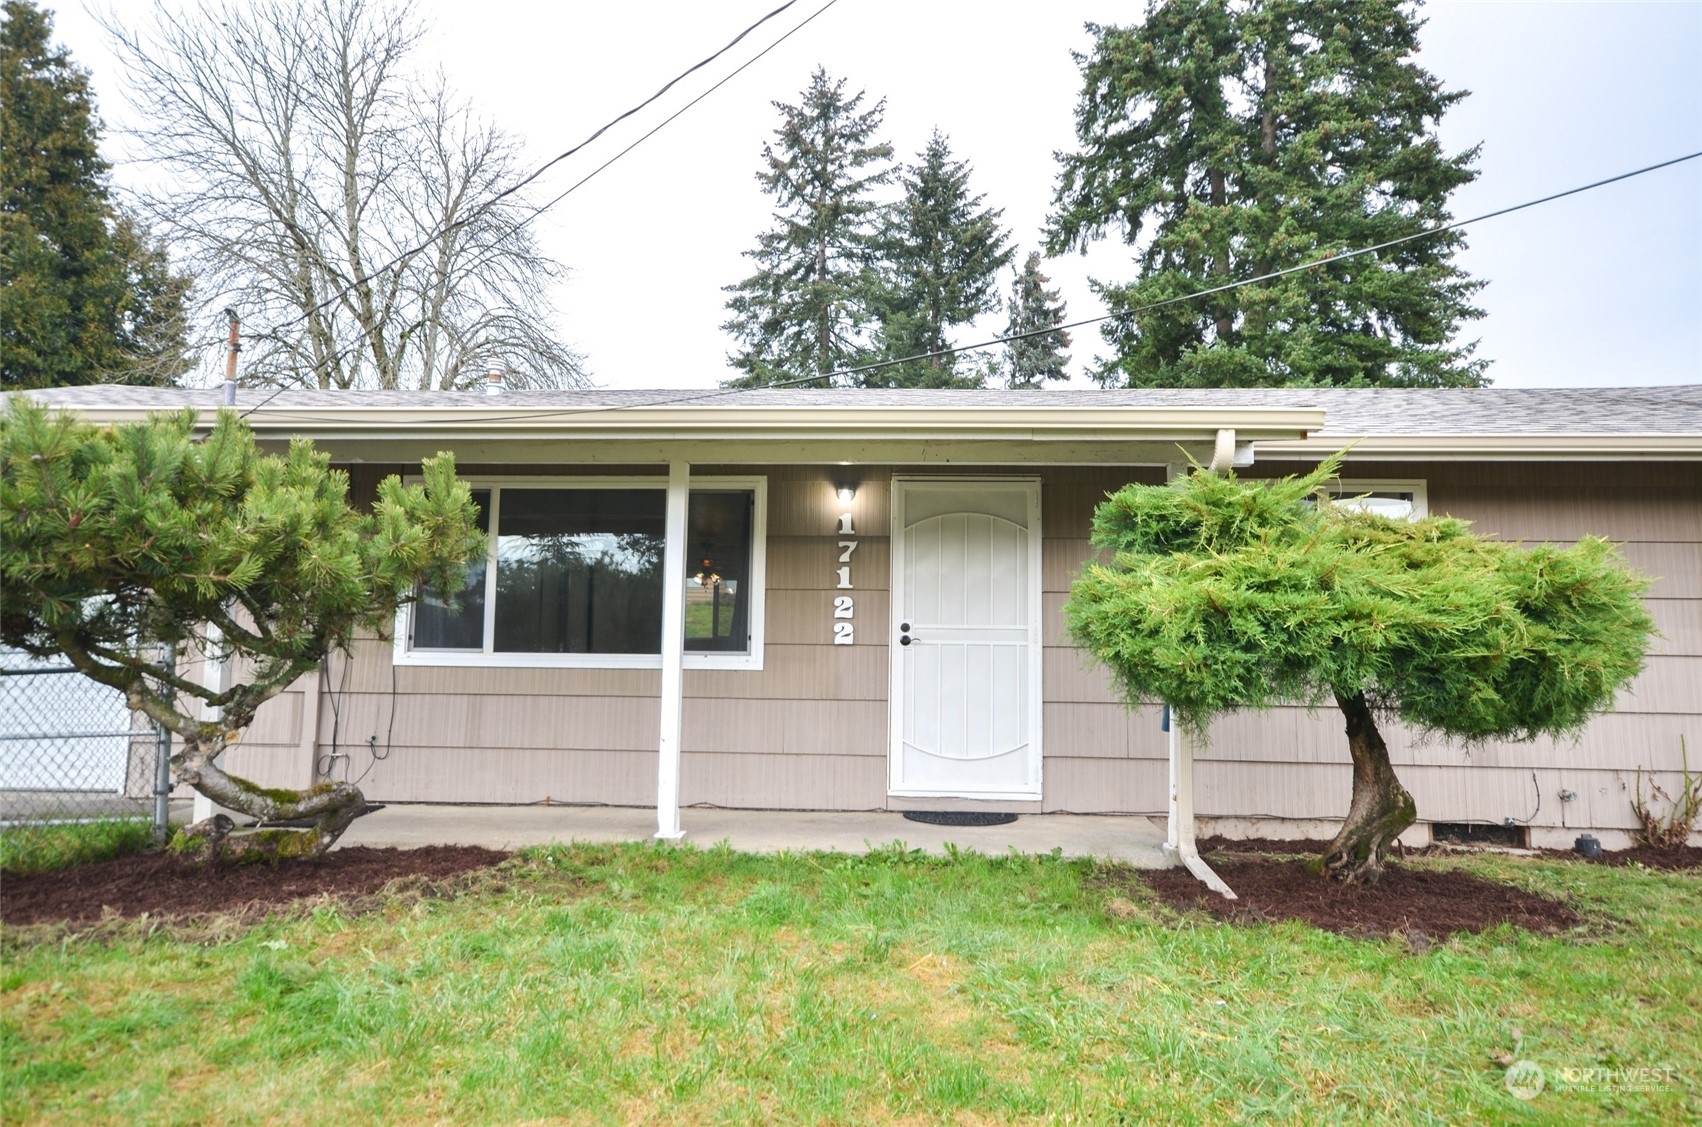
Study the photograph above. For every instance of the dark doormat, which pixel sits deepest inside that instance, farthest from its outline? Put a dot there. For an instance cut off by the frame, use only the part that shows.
(959, 817)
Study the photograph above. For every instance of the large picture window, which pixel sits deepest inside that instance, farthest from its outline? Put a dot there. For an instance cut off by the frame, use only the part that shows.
(575, 577)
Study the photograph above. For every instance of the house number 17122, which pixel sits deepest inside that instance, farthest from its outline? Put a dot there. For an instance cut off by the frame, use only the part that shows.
(844, 608)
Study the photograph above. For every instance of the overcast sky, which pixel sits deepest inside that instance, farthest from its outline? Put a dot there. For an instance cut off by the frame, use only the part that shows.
(1603, 288)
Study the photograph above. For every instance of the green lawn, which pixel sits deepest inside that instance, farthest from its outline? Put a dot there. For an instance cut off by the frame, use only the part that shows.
(650, 984)
(42, 847)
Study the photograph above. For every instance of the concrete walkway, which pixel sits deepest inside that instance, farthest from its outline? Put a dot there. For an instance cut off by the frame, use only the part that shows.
(1133, 840)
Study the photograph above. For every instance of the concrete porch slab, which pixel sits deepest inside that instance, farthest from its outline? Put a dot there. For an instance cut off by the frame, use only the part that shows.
(1134, 840)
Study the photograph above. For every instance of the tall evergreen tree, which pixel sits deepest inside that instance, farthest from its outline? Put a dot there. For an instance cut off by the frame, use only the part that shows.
(89, 296)
(942, 252)
(1032, 360)
(1230, 138)
(808, 308)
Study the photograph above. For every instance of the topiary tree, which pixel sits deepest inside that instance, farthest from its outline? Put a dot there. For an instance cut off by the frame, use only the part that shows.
(1225, 594)
(122, 541)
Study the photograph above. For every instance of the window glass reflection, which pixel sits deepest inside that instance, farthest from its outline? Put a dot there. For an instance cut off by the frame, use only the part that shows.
(579, 571)
(436, 626)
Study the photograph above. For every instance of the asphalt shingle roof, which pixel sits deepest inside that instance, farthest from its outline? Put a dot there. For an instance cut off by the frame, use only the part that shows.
(1350, 412)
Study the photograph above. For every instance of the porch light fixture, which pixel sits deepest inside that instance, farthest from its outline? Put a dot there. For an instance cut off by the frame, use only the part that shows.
(846, 492)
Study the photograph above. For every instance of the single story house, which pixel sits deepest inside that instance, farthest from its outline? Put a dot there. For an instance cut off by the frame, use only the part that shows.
(851, 599)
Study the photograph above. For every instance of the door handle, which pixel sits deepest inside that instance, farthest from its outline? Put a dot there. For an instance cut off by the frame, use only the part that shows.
(904, 639)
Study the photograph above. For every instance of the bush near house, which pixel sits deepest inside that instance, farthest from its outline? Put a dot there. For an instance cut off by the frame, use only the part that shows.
(1226, 594)
(124, 543)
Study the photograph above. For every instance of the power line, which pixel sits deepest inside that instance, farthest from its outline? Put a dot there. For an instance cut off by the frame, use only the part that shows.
(1325, 260)
(545, 167)
(669, 119)
(479, 210)
(994, 341)
(486, 205)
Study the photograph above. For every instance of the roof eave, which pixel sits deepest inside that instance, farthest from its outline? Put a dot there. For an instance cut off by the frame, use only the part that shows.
(1490, 447)
(1038, 424)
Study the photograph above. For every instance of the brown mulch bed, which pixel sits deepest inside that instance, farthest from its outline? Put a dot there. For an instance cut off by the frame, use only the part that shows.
(1216, 844)
(165, 884)
(1418, 904)
(1676, 859)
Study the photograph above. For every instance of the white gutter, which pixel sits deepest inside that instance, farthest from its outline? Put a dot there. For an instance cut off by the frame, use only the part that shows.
(1489, 447)
(484, 419)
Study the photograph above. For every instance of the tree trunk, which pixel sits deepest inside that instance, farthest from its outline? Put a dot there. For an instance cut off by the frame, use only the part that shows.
(1268, 117)
(1381, 807)
(1224, 318)
(332, 806)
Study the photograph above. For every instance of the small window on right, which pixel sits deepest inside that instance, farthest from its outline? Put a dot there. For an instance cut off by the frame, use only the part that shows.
(1397, 500)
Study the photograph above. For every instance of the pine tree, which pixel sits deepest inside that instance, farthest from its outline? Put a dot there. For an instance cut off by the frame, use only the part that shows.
(808, 309)
(941, 255)
(124, 540)
(89, 295)
(1032, 360)
(1230, 138)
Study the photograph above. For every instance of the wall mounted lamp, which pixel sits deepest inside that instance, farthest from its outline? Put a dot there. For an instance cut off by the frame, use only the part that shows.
(846, 492)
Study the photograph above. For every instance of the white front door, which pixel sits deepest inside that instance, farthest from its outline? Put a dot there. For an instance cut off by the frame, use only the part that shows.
(965, 638)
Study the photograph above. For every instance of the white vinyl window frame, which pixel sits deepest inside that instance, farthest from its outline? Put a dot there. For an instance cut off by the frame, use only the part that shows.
(1348, 490)
(404, 655)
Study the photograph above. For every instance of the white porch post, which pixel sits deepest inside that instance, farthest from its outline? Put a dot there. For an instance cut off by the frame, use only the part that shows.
(673, 653)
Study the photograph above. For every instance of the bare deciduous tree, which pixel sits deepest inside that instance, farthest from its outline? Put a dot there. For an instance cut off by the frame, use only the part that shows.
(339, 200)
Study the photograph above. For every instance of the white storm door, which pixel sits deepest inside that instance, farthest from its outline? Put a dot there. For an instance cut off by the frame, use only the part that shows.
(965, 639)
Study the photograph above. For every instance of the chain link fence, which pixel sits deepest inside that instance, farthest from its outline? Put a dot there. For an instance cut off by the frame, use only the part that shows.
(72, 752)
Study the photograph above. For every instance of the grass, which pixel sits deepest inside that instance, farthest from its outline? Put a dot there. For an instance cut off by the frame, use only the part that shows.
(616, 984)
(43, 847)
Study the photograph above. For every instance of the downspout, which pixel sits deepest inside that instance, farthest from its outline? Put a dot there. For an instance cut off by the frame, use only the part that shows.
(1179, 834)
(1179, 838)
(1222, 451)
(230, 358)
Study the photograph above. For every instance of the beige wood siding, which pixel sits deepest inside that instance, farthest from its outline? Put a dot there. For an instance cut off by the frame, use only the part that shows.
(808, 731)
(278, 749)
